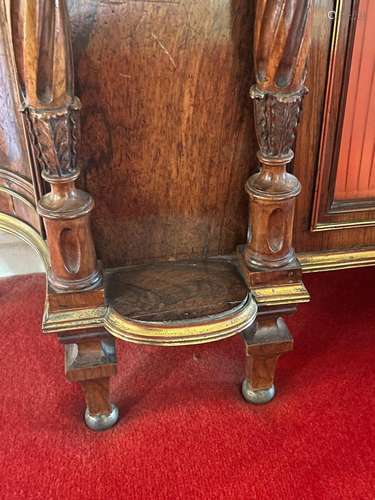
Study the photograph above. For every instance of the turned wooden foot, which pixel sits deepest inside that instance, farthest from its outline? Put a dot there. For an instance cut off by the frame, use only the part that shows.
(91, 362)
(264, 344)
(100, 414)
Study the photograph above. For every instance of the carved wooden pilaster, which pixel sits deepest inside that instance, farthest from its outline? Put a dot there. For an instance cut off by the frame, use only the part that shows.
(281, 44)
(267, 261)
(43, 54)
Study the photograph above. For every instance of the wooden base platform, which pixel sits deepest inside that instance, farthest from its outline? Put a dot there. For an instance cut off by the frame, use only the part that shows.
(176, 303)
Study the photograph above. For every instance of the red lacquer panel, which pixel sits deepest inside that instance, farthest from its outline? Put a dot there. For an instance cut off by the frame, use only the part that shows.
(356, 162)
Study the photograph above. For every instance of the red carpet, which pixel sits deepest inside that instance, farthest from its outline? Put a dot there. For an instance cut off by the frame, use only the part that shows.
(185, 431)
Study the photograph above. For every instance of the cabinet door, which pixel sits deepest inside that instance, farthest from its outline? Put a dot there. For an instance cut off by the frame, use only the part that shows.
(18, 181)
(345, 195)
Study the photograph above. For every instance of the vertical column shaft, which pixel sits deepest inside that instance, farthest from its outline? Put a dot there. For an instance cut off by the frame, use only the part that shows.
(43, 55)
(281, 43)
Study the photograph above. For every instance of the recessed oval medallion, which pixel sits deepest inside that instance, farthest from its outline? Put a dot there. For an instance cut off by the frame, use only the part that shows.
(276, 230)
(70, 251)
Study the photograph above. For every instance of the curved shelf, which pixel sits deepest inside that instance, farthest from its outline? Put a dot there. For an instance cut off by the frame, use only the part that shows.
(176, 303)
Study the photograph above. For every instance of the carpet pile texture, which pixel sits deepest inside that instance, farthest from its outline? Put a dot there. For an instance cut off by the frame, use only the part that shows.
(185, 432)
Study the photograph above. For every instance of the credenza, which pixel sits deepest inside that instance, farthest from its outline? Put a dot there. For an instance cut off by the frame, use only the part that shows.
(228, 147)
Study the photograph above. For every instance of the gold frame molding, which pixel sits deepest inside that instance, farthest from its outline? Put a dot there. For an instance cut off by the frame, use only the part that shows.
(19, 180)
(184, 332)
(73, 319)
(102, 317)
(312, 262)
(155, 333)
(294, 293)
(18, 196)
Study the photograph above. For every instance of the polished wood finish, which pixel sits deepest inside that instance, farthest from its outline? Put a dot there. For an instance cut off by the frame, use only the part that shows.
(115, 143)
(42, 48)
(19, 187)
(70, 301)
(178, 303)
(166, 133)
(91, 362)
(13, 146)
(257, 278)
(178, 291)
(89, 358)
(43, 56)
(281, 47)
(120, 115)
(96, 394)
(264, 345)
(189, 303)
(167, 137)
(123, 112)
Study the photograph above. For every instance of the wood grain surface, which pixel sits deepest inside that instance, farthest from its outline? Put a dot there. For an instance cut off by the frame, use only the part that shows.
(43, 58)
(168, 138)
(17, 193)
(173, 291)
(13, 147)
(166, 128)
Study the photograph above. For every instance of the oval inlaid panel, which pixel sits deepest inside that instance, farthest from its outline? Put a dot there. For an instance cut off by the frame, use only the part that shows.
(70, 250)
(276, 230)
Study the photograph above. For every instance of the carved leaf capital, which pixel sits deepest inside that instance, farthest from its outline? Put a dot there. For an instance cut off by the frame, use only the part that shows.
(276, 119)
(54, 137)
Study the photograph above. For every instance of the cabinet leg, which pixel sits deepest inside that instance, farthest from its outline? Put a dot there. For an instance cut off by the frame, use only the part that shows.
(100, 414)
(91, 362)
(264, 344)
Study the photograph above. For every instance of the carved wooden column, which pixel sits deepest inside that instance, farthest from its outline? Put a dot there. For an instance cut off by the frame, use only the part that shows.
(45, 66)
(43, 56)
(268, 261)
